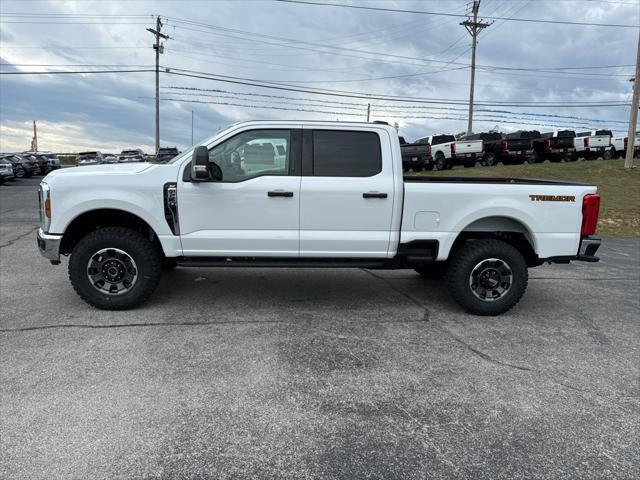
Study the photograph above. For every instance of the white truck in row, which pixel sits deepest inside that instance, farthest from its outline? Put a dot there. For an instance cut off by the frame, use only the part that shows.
(308, 194)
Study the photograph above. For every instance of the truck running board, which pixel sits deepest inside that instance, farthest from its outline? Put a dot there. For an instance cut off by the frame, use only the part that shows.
(281, 262)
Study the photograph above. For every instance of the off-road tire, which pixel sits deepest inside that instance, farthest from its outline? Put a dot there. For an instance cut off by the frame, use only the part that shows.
(490, 160)
(417, 169)
(469, 257)
(20, 172)
(440, 162)
(609, 154)
(139, 248)
(435, 270)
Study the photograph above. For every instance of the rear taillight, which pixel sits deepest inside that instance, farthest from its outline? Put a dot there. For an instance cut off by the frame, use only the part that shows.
(428, 149)
(453, 149)
(547, 143)
(482, 145)
(590, 212)
(585, 142)
(626, 142)
(503, 144)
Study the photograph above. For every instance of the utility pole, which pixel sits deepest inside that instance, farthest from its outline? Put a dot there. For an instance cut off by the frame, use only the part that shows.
(159, 48)
(368, 111)
(473, 27)
(633, 117)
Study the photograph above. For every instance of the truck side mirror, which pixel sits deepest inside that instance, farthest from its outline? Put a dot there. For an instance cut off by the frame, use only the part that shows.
(200, 165)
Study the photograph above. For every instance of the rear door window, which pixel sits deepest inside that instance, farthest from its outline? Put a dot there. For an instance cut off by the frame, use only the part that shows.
(339, 153)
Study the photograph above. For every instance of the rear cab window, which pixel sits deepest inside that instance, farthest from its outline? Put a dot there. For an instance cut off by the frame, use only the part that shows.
(338, 153)
(438, 139)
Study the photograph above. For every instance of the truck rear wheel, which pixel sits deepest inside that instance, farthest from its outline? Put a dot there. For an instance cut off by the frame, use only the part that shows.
(114, 268)
(490, 159)
(487, 277)
(440, 162)
(609, 154)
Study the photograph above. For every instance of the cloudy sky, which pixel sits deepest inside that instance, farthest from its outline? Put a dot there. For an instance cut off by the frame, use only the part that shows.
(318, 48)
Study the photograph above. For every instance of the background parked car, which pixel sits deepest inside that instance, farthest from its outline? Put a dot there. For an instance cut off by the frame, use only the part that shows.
(447, 152)
(525, 145)
(415, 156)
(89, 158)
(561, 145)
(16, 163)
(494, 147)
(54, 161)
(593, 144)
(619, 147)
(6, 170)
(135, 155)
(26, 163)
(165, 154)
(43, 162)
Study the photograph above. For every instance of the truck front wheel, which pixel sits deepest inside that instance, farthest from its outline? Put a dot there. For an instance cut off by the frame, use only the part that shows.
(487, 277)
(114, 268)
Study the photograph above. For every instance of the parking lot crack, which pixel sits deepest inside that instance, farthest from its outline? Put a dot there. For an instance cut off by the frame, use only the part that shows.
(19, 237)
(483, 355)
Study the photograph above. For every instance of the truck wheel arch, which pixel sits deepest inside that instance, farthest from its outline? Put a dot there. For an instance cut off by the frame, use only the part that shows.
(504, 228)
(92, 220)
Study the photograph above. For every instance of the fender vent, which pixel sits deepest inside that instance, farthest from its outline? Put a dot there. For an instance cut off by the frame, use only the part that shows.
(171, 207)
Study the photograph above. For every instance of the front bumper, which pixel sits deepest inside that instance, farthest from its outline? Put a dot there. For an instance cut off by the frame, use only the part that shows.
(588, 248)
(49, 246)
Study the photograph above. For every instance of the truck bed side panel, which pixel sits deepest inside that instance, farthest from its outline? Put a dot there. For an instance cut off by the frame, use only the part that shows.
(441, 210)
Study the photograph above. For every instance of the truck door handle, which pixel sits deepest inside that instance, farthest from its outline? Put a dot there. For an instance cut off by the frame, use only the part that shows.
(374, 195)
(279, 193)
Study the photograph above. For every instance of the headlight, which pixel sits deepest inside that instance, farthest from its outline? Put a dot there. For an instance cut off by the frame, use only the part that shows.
(45, 206)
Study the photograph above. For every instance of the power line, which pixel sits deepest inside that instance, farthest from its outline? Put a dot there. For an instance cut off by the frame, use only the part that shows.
(442, 14)
(386, 109)
(72, 72)
(351, 94)
(342, 113)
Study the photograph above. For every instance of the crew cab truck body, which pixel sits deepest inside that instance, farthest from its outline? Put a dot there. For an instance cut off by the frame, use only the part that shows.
(415, 156)
(593, 144)
(561, 145)
(339, 199)
(619, 147)
(447, 152)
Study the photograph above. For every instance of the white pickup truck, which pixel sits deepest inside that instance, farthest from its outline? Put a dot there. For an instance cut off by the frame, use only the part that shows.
(447, 152)
(336, 198)
(593, 144)
(619, 146)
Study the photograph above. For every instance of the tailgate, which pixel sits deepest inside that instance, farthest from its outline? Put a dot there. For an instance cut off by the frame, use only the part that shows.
(562, 142)
(519, 144)
(469, 146)
(599, 141)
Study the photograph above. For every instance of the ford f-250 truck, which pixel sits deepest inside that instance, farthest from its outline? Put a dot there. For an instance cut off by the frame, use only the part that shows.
(337, 199)
(593, 144)
(447, 152)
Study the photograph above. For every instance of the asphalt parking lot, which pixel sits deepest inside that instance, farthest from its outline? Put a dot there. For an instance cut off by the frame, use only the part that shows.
(285, 373)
